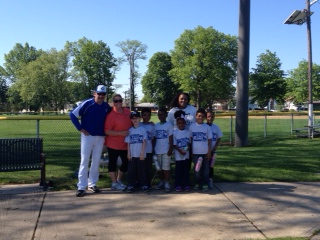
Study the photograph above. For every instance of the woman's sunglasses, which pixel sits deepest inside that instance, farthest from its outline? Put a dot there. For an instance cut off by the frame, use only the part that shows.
(117, 101)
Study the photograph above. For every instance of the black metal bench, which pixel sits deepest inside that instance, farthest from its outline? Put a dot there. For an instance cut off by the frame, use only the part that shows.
(23, 154)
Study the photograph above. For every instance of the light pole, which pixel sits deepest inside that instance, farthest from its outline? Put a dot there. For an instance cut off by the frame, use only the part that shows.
(300, 17)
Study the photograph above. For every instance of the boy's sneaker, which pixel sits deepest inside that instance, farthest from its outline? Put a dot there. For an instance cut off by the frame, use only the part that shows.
(167, 187)
(145, 189)
(160, 185)
(80, 193)
(210, 183)
(94, 189)
(121, 185)
(116, 187)
(196, 187)
(205, 188)
(187, 188)
(130, 190)
(178, 189)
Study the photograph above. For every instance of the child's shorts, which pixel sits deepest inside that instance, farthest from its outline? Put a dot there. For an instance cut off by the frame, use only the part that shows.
(164, 161)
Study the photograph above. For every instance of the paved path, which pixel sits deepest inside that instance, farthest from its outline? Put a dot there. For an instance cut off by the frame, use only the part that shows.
(229, 211)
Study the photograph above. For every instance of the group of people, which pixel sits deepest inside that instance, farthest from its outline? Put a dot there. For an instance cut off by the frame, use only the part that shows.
(181, 132)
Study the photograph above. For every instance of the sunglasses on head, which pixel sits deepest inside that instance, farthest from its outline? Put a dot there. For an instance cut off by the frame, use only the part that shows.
(117, 101)
(101, 94)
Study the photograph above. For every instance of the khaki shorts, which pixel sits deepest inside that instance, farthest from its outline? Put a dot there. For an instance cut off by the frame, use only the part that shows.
(164, 161)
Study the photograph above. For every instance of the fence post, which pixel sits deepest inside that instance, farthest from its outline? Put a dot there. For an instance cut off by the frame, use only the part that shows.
(265, 126)
(38, 128)
(231, 120)
(291, 123)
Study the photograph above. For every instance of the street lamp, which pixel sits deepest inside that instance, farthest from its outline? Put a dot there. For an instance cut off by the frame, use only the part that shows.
(298, 18)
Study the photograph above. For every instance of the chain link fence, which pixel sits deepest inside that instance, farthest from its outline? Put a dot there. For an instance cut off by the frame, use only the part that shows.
(61, 139)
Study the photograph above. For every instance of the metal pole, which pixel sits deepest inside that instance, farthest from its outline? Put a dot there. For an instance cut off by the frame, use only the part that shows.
(310, 101)
(241, 137)
(265, 126)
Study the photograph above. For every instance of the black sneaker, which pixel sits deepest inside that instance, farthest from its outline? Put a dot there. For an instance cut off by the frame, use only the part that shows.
(80, 193)
(130, 189)
(145, 189)
(94, 189)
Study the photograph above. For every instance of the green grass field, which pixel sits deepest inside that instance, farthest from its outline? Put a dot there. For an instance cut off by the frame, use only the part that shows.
(278, 156)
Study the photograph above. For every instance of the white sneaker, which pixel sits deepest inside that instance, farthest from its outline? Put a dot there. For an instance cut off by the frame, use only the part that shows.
(117, 187)
(167, 187)
(160, 185)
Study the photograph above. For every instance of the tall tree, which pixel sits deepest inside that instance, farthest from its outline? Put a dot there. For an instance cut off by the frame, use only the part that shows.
(157, 84)
(133, 50)
(267, 81)
(204, 64)
(94, 63)
(43, 82)
(297, 83)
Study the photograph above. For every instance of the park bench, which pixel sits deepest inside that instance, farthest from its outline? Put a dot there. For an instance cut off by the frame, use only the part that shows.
(304, 132)
(23, 154)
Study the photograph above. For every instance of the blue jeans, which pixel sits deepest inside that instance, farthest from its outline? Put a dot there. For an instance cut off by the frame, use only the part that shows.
(202, 177)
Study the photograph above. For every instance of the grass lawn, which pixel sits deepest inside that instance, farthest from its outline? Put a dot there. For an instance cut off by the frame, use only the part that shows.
(278, 157)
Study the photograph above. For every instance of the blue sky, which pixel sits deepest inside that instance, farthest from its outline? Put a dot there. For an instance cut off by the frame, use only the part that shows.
(49, 24)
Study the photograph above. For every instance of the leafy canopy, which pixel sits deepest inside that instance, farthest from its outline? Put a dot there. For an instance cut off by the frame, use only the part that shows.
(204, 64)
(267, 81)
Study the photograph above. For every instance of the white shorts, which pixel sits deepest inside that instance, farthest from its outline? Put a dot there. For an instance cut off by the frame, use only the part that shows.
(164, 161)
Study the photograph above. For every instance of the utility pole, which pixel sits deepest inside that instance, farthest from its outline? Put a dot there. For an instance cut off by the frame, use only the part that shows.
(310, 101)
(299, 18)
(241, 136)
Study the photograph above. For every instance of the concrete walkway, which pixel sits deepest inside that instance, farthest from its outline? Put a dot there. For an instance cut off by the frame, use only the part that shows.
(229, 211)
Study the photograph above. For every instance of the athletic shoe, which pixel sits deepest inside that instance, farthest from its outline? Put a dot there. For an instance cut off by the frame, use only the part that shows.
(145, 189)
(187, 188)
(167, 187)
(178, 189)
(210, 183)
(94, 189)
(121, 185)
(80, 193)
(196, 187)
(130, 190)
(116, 187)
(205, 188)
(160, 185)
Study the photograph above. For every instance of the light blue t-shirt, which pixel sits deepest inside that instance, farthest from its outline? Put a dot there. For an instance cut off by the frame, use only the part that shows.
(162, 132)
(135, 140)
(200, 134)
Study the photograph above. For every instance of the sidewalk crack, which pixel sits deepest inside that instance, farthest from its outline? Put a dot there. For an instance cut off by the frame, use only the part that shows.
(241, 212)
(40, 211)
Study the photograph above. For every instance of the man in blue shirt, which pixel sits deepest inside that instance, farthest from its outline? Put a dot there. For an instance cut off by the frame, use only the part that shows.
(93, 112)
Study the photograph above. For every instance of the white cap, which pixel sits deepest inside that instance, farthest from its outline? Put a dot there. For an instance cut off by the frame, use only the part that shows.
(101, 89)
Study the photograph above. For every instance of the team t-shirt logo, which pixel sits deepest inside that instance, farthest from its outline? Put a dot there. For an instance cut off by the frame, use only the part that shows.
(199, 136)
(214, 136)
(149, 135)
(135, 138)
(161, 134)
(183, 142)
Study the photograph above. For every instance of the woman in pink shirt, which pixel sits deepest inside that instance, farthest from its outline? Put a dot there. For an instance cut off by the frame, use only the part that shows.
(116, 128)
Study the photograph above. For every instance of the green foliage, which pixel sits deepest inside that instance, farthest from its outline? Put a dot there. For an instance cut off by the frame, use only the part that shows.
(157, 85)
(17, 58)
(297, 83)
(93, 62)
(267, 79)
(204, 64)
(42, 82)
